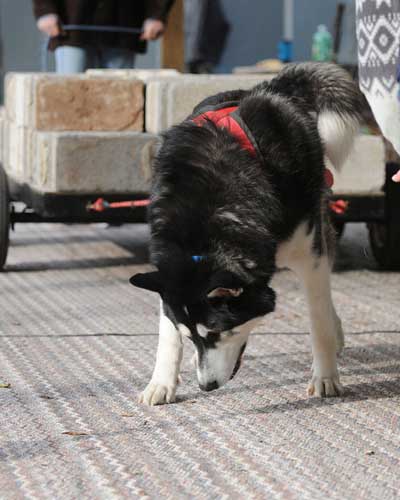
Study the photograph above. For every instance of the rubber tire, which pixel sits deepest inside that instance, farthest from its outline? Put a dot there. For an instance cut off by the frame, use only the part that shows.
(4, 217)
(384, 236)
(339, 227)
(386, 256)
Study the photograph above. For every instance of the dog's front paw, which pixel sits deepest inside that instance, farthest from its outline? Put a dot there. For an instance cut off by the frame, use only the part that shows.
(325, 387)
(158, 394)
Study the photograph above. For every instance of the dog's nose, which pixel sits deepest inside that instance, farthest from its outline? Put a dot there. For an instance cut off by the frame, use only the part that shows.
(211, 386)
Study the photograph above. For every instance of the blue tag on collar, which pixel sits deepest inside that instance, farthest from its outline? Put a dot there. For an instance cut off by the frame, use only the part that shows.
(197, 258)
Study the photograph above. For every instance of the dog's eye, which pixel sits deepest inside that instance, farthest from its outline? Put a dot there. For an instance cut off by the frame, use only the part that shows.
(217, 301)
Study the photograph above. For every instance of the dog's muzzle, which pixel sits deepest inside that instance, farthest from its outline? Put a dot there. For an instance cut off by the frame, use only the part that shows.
(211, 386)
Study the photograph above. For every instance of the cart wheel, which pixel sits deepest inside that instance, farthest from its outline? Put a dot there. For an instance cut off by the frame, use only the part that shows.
(4, 217)
(385, 236)
(338, 226)
(382, 238)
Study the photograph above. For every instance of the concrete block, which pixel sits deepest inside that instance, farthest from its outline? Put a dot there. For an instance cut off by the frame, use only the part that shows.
(18, 98)
(364, 170)
(170, 101)
(2, 120)
(140, 74)
(93, 162)
(17, 151)
(51, 102)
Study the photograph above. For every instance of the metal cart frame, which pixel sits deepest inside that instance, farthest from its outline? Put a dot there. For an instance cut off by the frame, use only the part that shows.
(381, 212)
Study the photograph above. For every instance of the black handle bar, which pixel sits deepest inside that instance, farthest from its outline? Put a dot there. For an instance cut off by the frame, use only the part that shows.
(85, 27)
(99, 28)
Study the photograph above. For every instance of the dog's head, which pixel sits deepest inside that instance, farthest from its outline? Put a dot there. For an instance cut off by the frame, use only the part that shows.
(214, 308)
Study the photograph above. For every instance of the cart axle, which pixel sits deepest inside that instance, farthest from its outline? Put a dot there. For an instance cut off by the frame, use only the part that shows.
(100, 205)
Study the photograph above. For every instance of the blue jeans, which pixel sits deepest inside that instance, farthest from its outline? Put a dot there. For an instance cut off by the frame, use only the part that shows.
(78, 59)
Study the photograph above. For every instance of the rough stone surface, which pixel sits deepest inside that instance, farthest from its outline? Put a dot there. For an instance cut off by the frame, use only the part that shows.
(81, 162)
(2, 121)
(169, 101)
(18, 97)
(50, 102)
(140, 74)
(78, 344)
(18, 150)
(364, 170)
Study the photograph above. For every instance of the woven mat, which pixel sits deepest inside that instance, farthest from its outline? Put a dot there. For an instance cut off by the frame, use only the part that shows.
(77, 344)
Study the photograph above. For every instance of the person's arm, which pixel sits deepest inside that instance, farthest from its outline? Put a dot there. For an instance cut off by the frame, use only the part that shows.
(158, 9)
(44, 7)
(396, 177)
(156, 16)
(46, 13)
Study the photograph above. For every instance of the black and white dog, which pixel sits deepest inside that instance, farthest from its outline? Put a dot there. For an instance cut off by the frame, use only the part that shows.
(240, 189)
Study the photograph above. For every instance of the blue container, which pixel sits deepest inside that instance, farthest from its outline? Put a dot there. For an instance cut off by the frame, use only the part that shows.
(285, 51)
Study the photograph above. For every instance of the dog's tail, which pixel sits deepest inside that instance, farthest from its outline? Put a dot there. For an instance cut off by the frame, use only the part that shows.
(329, 91)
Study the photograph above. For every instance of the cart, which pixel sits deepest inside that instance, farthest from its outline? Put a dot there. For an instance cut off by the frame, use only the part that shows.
(381, 211)
(21, 203)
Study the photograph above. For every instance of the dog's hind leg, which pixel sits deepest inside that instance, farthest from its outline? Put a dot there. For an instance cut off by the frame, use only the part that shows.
(162, 386)
(330, 240)
(313, 271)
(315, 277)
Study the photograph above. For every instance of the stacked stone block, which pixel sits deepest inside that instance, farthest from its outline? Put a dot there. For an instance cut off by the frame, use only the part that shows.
(87, 133)
(97, 132)
(50, 122)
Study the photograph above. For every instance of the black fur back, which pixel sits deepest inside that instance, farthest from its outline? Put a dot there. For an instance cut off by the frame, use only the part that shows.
(212, 198)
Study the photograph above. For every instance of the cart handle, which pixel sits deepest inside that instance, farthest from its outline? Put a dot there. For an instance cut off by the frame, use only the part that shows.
(84, 27)
(107, 29)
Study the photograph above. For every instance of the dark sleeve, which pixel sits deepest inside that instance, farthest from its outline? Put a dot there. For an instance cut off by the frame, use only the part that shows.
(43, 7)
(158, 9)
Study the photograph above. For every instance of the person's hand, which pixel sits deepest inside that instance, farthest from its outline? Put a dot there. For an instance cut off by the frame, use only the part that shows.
(49, 25)
(152, 29)
(396, 177)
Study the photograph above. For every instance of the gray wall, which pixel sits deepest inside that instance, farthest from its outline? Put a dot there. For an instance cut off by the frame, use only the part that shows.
(20, 41)
(309, 14)
(255, 32)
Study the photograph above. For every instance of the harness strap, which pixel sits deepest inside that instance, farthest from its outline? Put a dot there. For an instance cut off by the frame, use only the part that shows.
(226, 116)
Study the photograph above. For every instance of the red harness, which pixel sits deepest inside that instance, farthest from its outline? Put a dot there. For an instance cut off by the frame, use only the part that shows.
(229, 119)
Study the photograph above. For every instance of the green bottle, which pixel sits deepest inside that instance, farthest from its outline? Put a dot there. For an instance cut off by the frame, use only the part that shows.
(322, 46)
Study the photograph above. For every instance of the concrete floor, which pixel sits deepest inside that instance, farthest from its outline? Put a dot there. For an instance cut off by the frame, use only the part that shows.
(77, 344)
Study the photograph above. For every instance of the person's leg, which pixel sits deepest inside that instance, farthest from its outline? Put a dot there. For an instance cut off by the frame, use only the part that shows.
(115, 58)
(70, 59)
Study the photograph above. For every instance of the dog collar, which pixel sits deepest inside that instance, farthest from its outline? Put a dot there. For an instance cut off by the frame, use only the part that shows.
(197, 258)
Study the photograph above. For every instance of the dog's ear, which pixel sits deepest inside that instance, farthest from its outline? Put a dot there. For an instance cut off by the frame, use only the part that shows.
(225, 284)
(149, 281)
(225, 292)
